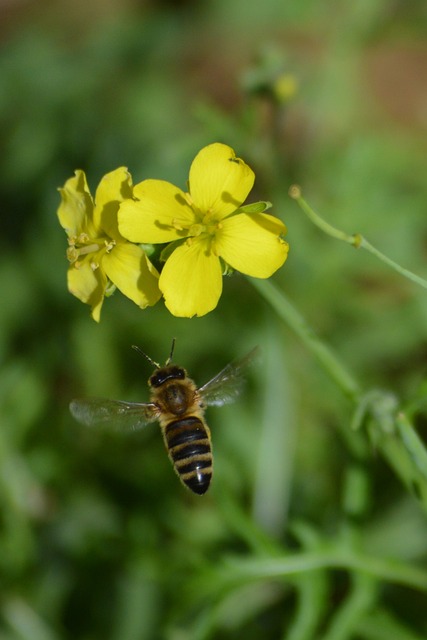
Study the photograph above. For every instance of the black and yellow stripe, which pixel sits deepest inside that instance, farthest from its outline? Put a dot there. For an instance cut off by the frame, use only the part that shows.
(189, 447)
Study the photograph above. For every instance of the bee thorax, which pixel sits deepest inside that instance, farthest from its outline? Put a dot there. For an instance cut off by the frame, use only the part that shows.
(176, 398)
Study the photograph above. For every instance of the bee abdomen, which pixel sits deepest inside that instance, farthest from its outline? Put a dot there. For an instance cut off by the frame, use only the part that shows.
(190, 451)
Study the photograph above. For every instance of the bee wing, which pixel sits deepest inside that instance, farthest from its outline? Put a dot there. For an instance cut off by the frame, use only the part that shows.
(117, 414)
(228, 383)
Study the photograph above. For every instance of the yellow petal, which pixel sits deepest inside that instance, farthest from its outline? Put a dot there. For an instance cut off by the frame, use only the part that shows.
(76, 205)
(159, 214)
(88, 286)
(191, 280)
(129, 269)
(219, 182)
(253, 244)
(113, 188)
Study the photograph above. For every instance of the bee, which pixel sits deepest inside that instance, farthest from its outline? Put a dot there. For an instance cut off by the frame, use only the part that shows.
(179, 406)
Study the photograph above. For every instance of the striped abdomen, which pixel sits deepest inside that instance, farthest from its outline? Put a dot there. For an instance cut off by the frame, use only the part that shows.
(189, 447)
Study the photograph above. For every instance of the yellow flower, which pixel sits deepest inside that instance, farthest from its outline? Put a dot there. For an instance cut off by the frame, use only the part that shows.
(210, 224)
(100, 258)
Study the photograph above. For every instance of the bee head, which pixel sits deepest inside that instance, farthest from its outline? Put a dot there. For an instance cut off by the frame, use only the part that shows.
(162, 374)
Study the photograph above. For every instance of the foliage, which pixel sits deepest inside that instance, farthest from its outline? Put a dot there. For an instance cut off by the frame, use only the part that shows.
(314, 526)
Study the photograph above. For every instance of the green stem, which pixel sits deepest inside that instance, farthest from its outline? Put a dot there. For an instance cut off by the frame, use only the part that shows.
(381, 568)
(285, 310)
(361, 599)
(404, 272)
(355, 239)
(406, 453)
(295, 194)
(389, 431)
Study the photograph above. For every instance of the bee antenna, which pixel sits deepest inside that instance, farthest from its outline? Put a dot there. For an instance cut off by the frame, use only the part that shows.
(169, 360)
(150, 360)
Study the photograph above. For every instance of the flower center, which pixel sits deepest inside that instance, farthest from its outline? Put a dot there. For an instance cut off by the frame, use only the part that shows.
(206, 226)
(83, 248)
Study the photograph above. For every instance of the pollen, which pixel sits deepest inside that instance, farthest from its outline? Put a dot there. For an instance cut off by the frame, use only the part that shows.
(72, 254)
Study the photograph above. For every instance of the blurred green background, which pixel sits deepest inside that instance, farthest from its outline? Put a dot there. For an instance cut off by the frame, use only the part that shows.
(97, 537)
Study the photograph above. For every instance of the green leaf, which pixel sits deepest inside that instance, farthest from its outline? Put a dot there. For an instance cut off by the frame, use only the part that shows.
(255, 207)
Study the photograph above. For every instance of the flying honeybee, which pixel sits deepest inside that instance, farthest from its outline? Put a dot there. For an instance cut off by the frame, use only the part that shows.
(179, 407)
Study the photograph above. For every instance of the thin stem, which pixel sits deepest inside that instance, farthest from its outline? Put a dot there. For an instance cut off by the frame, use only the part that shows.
(355, 239)
(361, 599)
(332, 365)
(295, 194)
(404, 272)
(381, 568)
(312, 602)
(285, 310)
(390, 431)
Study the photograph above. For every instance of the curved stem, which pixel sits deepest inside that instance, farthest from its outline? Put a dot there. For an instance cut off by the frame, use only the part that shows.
(355, 239)
(381, 568)
(283, 307)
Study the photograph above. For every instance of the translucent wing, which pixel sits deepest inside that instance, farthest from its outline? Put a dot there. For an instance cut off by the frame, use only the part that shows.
(116, 414)
(228, 383)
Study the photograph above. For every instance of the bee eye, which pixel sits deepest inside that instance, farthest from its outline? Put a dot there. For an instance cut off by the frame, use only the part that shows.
(166, 373)
(154, 380)
(177, 372)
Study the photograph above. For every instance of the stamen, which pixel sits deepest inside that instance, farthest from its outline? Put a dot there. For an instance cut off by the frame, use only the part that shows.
(189, 199)
(89, 248)
(176, 225)
(208, 215)
(196, 229)
(75, 251)
(72, 254)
